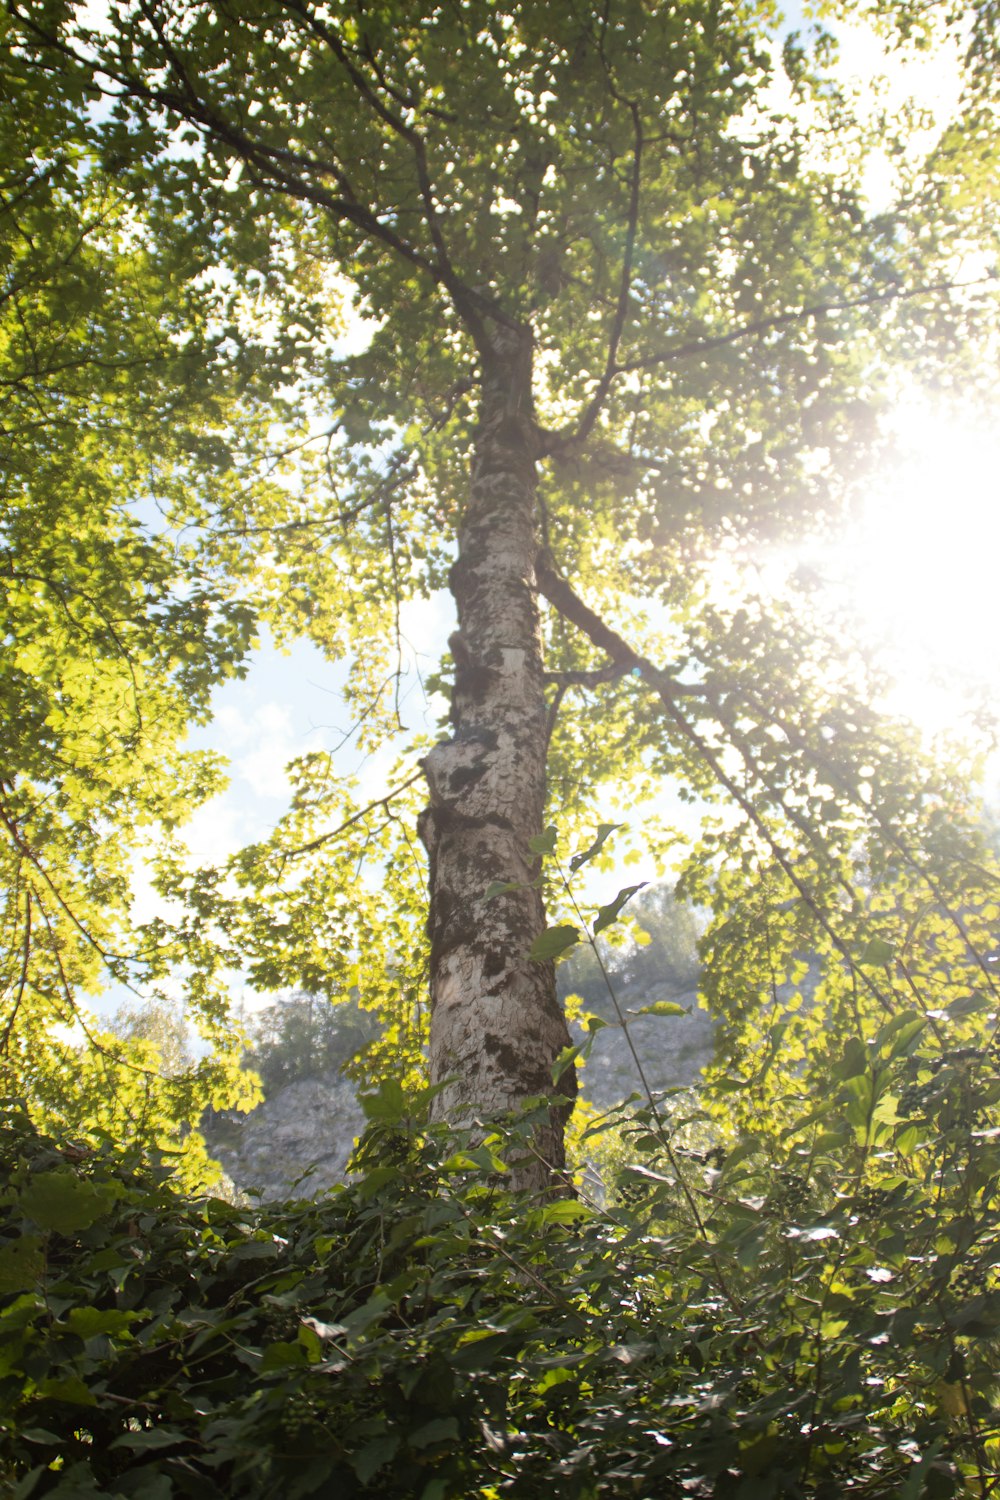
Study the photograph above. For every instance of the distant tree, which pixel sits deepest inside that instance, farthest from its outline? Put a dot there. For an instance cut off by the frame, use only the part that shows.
(162, 1027)
(304, 1036)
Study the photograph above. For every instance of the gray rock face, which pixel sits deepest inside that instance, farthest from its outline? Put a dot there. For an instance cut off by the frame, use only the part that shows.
(672, 1049)
(307, 1129)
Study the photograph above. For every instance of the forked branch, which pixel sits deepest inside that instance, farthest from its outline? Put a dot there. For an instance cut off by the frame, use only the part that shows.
(563, 597)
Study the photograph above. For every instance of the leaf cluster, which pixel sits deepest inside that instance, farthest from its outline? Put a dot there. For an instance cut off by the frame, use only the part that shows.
(806, 1316)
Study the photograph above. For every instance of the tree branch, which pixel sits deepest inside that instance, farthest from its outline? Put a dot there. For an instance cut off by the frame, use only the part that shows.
(449, 278)
(563, 597)
(324, 838)
(796, 315)
(282, 168)
(570, 436)
(620, 317)
(567, 601)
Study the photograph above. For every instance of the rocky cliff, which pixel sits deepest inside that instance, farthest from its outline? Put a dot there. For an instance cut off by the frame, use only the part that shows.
(304, 1131)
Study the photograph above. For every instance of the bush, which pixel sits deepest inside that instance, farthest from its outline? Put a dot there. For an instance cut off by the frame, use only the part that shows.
(814, 1319)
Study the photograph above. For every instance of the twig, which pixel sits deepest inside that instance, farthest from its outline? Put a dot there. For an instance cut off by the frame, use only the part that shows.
(324, 838)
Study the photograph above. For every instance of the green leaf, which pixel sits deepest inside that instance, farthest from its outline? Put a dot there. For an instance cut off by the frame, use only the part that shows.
(21, 1264)
(145, 1485)
(905, 1037)
(362, 1318)
(567, 1056)
(565, 1211)
(283, 1356)
(148, 1439)
(856, 1059)
(375, 1455)
(29, 1482)
(61, 1201)
(970, 1005)
(69, 1388)
(387, 1103)
(90, 1321)
(608, 914)
(661, 1008)
(876, 953)
(604, 832)
(440, 1430)
(553, 943)
(309, 1338)
(544, 843)
(501, 888)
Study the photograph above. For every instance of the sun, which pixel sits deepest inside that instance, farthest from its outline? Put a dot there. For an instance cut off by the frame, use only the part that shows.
(921, 567)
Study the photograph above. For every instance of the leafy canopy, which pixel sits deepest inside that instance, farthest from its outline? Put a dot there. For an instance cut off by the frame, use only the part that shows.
(669, 199)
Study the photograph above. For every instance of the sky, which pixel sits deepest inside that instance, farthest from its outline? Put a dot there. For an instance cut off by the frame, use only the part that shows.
(289, 704)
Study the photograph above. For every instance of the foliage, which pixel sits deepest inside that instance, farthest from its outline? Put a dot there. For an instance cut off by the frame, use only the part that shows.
(114, 390)
(719, 319)
(812, 1316)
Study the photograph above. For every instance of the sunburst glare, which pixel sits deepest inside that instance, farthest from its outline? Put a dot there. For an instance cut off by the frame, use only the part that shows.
(920, 568)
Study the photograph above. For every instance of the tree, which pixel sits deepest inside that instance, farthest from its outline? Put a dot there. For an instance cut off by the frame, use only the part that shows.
(627, 307)
(303, 1037)
(107, 658)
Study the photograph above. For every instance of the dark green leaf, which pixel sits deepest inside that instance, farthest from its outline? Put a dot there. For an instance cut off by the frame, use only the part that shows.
(608, 914)
(553, 943)
(604, 832)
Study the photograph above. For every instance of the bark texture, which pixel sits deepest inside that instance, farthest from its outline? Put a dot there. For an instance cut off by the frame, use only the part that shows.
(496, 1025)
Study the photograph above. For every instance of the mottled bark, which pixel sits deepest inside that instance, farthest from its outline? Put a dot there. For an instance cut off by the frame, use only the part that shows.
(496, 1025)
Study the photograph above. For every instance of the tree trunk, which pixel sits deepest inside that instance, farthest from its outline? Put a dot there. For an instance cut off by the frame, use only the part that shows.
(496, 1025)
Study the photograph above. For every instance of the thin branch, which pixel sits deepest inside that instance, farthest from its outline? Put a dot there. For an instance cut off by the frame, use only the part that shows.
(25, 956)
(797, 315)
(593, 410)
(449, 277)
(324, 838)
(396, 600)
(564, 598)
